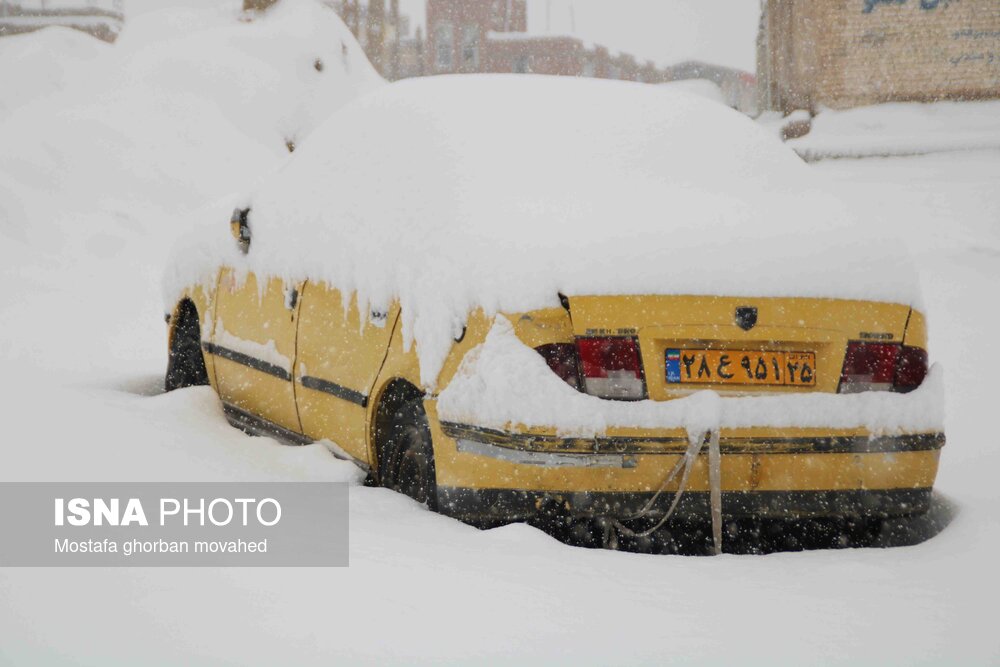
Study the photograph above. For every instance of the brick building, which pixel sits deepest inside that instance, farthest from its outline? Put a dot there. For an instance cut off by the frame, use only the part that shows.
(846, 53)
(491, 36)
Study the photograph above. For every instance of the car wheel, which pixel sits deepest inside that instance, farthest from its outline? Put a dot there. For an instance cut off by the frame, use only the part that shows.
(186, 365)
(408, 464)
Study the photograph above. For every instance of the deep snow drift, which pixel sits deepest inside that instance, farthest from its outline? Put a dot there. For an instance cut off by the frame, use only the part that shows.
(501, 191)
(40, 64)
(180, 110)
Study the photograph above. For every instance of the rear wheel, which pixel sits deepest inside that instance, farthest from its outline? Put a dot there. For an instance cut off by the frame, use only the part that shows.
(186, 365)
(407, 463)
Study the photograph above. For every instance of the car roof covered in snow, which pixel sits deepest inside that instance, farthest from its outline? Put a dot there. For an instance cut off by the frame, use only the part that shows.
(501, 191)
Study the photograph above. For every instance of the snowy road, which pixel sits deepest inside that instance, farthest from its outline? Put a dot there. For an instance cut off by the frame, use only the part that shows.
(81, 350)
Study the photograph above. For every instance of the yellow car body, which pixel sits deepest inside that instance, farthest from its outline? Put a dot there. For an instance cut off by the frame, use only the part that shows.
(431, 198)
(293, 361)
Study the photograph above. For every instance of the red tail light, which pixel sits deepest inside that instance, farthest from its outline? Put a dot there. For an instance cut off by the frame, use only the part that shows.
(563, 360)
(882, 367)
(611, 368)
(911, 368)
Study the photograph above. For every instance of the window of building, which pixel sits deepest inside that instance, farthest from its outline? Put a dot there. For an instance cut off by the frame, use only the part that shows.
(520, 65)
(470, 46)
(444, 47)
(496, 15)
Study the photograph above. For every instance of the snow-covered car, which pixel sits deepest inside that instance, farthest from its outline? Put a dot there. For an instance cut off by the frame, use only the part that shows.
(506, 296)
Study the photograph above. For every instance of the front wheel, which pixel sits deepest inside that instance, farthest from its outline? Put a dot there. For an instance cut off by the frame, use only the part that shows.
(186, 365)
(408, 463)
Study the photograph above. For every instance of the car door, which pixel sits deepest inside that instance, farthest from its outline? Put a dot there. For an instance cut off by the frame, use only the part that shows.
(338, 360)
(254, 347)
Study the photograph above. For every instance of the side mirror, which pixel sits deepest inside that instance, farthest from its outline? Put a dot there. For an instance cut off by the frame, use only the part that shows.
(240, 228)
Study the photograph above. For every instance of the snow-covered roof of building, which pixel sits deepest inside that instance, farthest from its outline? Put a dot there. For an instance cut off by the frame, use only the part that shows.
(501, 191)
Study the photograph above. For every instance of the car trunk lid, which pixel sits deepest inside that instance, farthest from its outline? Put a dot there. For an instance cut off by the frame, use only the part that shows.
(737, 345)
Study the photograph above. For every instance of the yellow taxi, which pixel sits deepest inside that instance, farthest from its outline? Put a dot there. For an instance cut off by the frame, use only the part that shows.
(822, 405)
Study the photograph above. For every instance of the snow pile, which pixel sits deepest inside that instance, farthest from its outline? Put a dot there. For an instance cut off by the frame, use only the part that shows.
(488, 391)
(901, 129)
(703, 87)
(188, 104)
(275, 77)
(39, 64)
(452, 193)
(97, 177)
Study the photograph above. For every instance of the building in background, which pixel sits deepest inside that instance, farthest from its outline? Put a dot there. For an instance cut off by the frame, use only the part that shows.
(491, 36)
(103, 21)
(847, 53)
(737, 88)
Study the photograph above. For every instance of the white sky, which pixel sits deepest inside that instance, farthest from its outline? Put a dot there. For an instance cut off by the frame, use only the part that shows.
(666, 31)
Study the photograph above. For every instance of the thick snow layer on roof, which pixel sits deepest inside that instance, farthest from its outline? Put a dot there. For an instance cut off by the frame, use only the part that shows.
(276, 77)
(42, 63)
(502, 191)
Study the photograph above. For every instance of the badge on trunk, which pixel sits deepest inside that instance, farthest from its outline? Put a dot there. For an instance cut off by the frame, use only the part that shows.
(746, 317)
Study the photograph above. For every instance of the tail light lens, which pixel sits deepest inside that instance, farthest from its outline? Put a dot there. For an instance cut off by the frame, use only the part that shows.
(911, 368)
(563, 360)
(868, 367)
(611, 368)
(882, 367)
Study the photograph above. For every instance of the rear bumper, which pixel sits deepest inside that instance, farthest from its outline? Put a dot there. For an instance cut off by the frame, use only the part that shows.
(766, 473)
(621, 450)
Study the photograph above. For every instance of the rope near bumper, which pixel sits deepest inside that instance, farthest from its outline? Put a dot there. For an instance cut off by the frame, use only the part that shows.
(683, 467)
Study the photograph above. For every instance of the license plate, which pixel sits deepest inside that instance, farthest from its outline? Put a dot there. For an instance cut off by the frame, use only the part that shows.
(741, 367)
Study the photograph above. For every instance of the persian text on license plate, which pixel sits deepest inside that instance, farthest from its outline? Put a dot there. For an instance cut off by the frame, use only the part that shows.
(741, 367)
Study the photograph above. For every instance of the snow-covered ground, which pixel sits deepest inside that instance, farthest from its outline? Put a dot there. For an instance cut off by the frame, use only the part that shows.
(82, 350)
(895, 129)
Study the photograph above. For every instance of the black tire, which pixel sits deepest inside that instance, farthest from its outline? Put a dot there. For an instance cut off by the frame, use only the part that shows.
(407, 464)
(186, 365)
